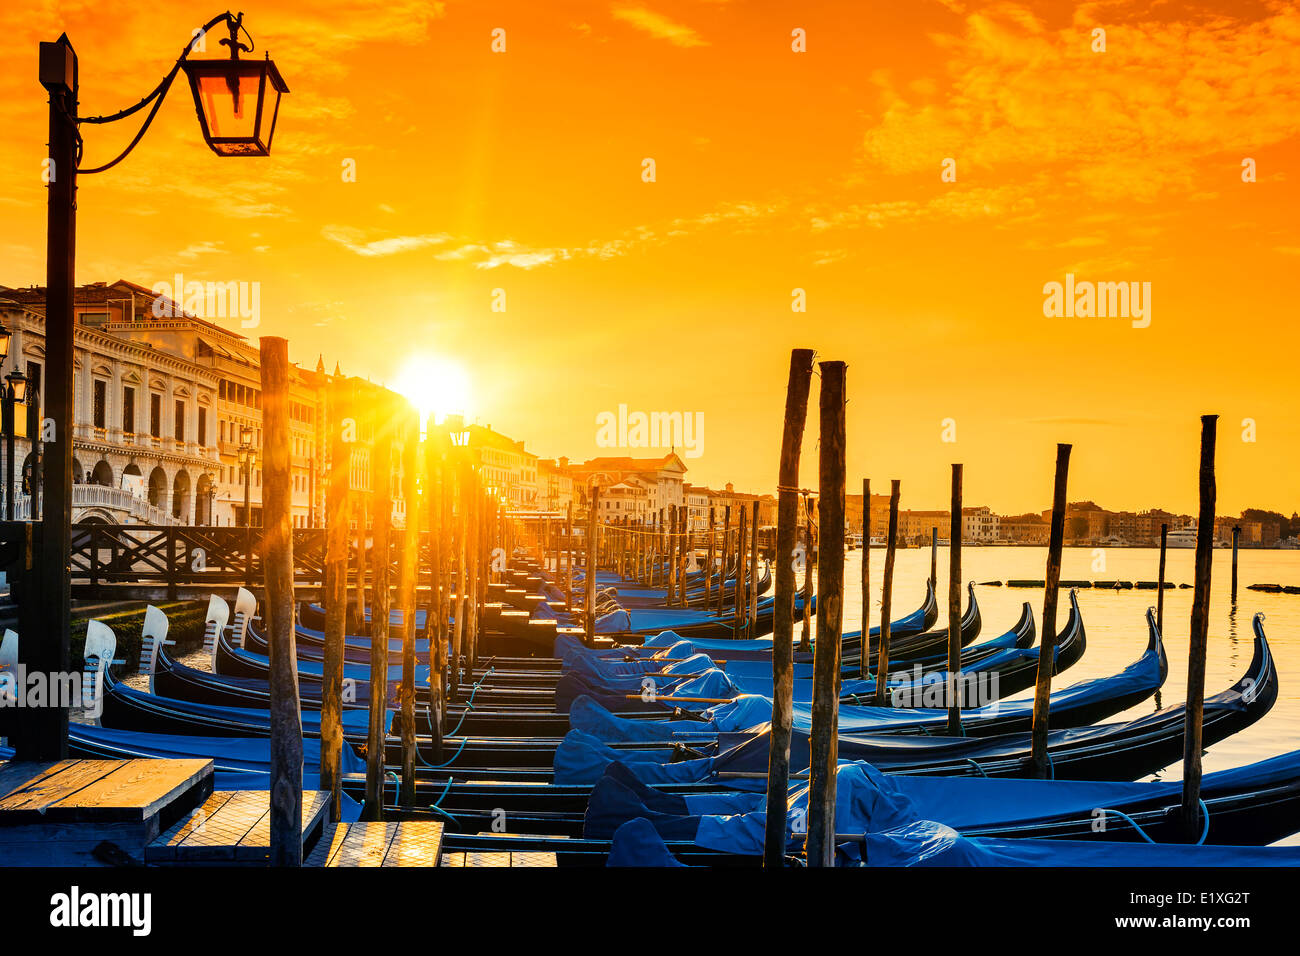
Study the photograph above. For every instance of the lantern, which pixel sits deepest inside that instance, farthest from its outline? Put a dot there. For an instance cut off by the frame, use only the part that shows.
(237, 102)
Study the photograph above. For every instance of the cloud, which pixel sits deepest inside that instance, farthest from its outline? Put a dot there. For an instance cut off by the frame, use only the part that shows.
(659, 26)
(351, 240)
(1133, 122)
(492, 254)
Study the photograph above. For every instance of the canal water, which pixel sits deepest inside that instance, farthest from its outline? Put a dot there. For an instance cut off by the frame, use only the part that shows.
(1115, 621)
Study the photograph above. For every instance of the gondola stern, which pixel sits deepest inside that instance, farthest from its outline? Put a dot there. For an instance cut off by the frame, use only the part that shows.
(1156, 643)
(1026, 628)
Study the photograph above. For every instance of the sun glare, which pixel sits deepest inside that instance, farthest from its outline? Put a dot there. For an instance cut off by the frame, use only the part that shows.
(436, 386)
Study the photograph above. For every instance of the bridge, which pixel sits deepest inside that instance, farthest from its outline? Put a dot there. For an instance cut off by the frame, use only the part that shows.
(93, 503)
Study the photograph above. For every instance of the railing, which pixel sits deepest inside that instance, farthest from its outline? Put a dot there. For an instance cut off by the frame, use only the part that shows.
(178, 555)
(102, 496)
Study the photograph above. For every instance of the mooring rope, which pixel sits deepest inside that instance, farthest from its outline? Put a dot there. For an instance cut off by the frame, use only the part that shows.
(1205, 830)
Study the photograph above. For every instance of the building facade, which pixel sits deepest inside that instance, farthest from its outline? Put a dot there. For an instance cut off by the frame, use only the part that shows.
(162, 402)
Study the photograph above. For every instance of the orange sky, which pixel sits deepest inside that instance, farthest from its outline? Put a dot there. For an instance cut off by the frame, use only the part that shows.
(775, 170)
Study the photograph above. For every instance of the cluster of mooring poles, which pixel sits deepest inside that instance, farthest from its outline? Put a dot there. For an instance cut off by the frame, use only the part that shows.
(469, 533)
(818, 828)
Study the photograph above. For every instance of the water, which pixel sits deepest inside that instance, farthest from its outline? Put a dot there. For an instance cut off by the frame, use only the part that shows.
(1116, 626)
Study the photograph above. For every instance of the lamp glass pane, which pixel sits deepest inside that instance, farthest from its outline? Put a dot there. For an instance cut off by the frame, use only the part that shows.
(229, 102)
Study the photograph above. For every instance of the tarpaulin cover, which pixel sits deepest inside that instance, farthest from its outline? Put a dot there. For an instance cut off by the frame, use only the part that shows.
(249, 754)
(1144, 676)
(315, 670)
(582, 759)
(927, 843)
(637, 844)
(869, 801)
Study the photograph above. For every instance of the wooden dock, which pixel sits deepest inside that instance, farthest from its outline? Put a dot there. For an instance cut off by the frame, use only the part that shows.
(90, 812)
(402, 843)
(232, 827)
(165, 813)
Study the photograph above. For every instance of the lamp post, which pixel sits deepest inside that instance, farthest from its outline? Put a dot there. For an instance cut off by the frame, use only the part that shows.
(5, 339)
(212, 497)
(223, 94)
(14, 393)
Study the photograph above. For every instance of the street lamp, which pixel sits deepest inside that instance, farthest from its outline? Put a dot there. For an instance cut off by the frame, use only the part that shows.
(13, 392)
(233, 101)
(45, 595)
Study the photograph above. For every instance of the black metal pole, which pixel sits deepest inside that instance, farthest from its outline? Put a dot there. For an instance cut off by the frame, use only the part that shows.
(34, 439)
(8, 426)
(43, 731)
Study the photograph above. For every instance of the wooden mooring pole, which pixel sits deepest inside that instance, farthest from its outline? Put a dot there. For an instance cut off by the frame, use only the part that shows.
(752, 600)
(1236, 541)
(359, 602)
(1047, 648)
(810, 549)
(277, 525)
(787, 521)
(1160, 583)
(824, 738)
(726, 558)
(738, 618)
(568, 557)
(864, 659)
(460, 608)
(1198, 637)
(435, 625)
(381, 470)
(337, 508)
(954, 606)
(886, 599)
(589, 577)
(708, 567)
(473, 552)
(934, 558)
(409, 570)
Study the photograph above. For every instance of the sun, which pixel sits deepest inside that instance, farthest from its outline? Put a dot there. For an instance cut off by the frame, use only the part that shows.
(435, 385)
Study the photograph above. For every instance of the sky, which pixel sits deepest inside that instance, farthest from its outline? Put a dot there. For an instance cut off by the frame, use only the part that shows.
(487, 178)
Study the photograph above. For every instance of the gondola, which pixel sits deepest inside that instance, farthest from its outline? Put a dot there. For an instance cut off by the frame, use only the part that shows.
(610, 682)
(928, 843)
(1079, 704)
(129, 709)
(1122, 750)
(1252, 805)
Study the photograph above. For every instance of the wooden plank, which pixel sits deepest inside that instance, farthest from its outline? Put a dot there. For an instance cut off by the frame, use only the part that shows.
(417, 843)
(16, 773)
(332, 837)
(454, 859)
(222, 827)
(366, 844)
(25, 802)
(532, 859)
(164, 848)
(487, 859)
(136, 790)
(257, 841)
